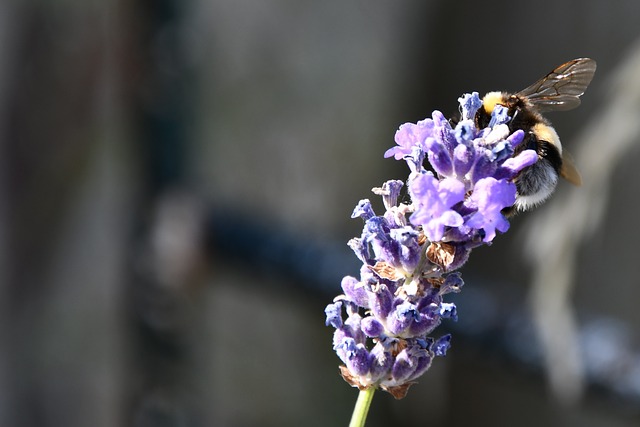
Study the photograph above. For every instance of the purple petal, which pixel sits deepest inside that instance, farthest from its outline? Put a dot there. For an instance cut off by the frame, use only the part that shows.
(355, 356)
(408, 136)
(381, 301)
(381, 362)
(462, 160)
(439, 156)
(355, 291)
(363, 210)
(516, 138)
(372, 327)
(334, 314)
(521, 161)
(469, 104)
(441, 346)
(490, 196)
(448, 311)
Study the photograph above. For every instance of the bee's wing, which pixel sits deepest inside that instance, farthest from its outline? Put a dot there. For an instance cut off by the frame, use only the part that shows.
(561, 88)
(569, 171)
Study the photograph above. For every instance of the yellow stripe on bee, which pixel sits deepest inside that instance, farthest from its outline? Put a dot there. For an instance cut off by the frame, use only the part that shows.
(546, 133)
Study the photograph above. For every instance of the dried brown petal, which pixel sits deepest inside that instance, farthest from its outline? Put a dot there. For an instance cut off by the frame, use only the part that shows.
(398, 391)
(441, 254)
(386, 271)
(351, 379)
(436, 282)
(422, 238)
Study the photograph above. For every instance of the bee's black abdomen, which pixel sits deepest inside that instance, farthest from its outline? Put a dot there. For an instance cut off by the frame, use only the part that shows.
(550, 152)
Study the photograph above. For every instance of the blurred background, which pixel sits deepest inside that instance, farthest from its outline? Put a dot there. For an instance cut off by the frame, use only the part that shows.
(176, 181)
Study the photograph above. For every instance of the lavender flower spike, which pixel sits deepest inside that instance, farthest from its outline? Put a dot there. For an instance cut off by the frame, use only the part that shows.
(409, 254)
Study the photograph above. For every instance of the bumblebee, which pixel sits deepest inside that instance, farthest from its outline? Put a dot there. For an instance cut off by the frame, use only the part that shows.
(557, 91)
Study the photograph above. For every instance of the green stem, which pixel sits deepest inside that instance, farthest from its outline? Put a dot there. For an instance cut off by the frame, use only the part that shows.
(362, 407)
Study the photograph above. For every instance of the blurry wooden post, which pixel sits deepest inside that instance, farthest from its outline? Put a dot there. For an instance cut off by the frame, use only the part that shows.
(95, 247)
(63, 197)
(165, 258)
